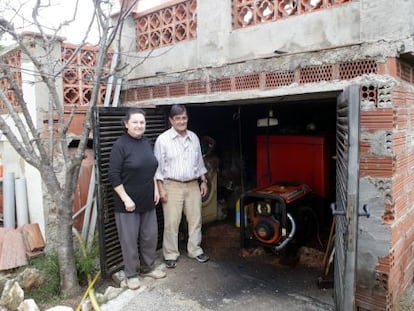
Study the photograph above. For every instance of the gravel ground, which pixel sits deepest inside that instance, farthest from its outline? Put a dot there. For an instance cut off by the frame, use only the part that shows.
(230, 281)
(193, 286)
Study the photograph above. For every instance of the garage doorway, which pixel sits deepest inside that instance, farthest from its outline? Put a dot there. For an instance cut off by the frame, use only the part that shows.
(239, 136)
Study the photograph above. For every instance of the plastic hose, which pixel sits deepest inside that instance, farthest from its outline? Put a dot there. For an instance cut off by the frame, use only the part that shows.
(90, 290)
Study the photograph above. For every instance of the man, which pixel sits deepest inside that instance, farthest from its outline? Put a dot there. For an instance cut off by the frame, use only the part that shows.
(182, 184)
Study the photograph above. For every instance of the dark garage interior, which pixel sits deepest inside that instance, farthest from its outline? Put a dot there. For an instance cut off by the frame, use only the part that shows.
(253, 145)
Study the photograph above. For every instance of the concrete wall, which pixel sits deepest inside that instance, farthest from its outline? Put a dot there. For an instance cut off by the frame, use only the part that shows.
(218, 44)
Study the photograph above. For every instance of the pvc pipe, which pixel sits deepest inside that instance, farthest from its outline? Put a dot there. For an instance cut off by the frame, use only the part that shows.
(9, 209)
(22, 211)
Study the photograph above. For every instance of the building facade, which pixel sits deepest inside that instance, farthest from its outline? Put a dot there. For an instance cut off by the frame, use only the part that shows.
(232, 62)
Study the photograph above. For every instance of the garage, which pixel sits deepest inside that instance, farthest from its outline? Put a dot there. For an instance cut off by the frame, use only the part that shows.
(250, 145)
(297, 145)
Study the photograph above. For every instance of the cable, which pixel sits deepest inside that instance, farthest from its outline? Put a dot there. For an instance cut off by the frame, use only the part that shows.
(269, 165)
(241, 150)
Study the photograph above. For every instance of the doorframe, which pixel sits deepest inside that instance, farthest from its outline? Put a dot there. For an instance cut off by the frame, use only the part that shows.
(346, 207)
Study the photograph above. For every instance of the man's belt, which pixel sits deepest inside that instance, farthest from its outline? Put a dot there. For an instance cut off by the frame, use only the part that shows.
(181, 181)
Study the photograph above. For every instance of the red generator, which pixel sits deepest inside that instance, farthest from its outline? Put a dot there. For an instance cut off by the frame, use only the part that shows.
(292, 175)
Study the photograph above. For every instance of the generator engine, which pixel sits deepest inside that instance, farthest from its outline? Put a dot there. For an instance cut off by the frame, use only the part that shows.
(270, 216)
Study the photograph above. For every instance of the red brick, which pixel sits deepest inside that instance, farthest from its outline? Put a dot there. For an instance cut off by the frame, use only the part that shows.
(33, 237)
(381, 119)
(376, 167)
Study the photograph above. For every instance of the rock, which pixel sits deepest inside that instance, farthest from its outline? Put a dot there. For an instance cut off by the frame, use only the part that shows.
(60, 308)
(86, 305)
(118, 276)
(112, 292)
(101, 298)
(28, 305)
(12, 295)
(30, 278)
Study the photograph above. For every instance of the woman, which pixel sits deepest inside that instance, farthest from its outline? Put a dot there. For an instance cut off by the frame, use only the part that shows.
(132, 167)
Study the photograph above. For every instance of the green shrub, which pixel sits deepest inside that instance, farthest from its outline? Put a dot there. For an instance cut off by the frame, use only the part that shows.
(86, 264)
(48, 265)
(50, 289)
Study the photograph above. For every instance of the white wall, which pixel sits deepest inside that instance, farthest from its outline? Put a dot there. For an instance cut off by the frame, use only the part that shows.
(218, 44)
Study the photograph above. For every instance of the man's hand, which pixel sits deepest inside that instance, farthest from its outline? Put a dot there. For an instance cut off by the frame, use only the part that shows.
(163, 195)
(203, 189)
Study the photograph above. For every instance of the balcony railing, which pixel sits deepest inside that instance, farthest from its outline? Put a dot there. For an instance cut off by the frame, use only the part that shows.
(167, 26)
(78, 76)
(252, 12)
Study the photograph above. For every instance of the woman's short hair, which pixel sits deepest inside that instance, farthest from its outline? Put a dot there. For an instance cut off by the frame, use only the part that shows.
(129, 113)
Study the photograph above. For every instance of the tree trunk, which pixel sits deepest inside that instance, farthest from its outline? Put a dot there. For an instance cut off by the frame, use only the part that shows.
(63, 201)
(67, 265)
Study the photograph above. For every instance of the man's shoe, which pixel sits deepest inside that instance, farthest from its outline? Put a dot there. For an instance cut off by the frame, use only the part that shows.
(202, 257)
(131, 283)
(171, 263)
(155, 274)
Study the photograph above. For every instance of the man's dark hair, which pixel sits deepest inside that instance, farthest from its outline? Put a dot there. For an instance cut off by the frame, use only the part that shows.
(177, 109)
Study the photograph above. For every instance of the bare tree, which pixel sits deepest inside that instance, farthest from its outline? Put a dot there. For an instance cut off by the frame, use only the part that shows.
(47, 149)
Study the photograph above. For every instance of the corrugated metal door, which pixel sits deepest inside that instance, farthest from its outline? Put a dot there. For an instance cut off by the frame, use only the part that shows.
(347, 187)
(107, 128)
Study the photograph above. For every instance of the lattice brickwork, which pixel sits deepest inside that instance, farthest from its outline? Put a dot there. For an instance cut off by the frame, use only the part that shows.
(278, 79)
(78, 76)
(12, 61)
(221, 85)
(246, 82)
(177, 89)
(197, 87)
(160, 91)
(252, 12)
(350, 70)
(265, 80)
(316, 74)
(167, 26)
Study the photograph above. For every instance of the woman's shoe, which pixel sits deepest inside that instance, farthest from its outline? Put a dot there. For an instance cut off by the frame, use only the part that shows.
(155, 274)
(131, 283)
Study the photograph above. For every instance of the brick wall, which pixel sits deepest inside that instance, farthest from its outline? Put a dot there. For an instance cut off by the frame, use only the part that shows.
(393, 165)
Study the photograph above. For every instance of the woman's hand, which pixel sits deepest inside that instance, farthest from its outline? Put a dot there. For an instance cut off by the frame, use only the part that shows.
(156, 196)
(129, 205)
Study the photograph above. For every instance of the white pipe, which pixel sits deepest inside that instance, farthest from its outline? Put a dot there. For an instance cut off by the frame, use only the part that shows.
(89, 202)
(9, 210)
(22, 211)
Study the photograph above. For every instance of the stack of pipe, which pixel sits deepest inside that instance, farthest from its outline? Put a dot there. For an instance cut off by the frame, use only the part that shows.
(14, 201)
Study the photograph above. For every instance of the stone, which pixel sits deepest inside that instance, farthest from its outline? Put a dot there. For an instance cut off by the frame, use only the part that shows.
(30, 278)
(28, 305)
(112, 292)
(60, 308)
(101, 298)
(12, 295)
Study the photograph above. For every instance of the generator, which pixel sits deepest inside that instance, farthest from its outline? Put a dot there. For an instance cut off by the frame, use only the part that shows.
(293, 186)
(275, 215)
